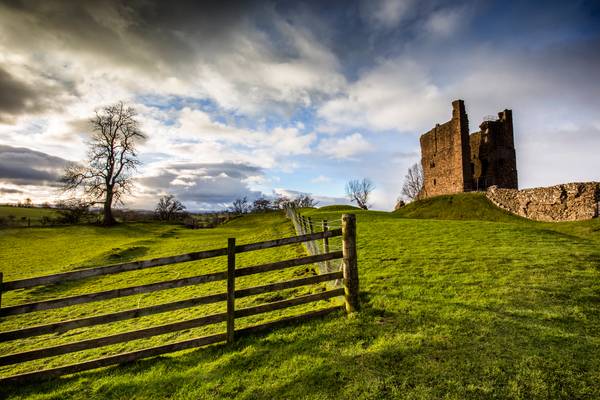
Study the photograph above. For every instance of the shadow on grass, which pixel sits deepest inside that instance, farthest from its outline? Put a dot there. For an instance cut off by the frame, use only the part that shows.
(430, 354)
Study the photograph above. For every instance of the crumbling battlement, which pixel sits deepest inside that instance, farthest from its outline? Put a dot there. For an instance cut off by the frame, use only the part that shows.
(454, 161)
(566, 202)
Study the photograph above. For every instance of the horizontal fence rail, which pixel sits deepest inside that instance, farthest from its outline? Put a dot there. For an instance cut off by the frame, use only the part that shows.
(158, 262)
(167, 348)
(230, 296)
(176, 305)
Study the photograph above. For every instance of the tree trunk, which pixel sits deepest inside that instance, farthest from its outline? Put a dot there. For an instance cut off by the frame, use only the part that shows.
(108, 220)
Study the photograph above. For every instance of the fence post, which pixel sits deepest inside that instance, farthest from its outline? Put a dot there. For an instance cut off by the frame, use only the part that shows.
(349, 263)
(326, 244)
(1, 276)
(230, 290)
(310, 225)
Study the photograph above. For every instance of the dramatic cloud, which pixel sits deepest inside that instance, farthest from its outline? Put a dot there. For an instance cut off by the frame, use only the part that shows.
(23, 166)
(9, 190)
(199, 185)
(395, 95)
(310, 94)
(387, 13)
(195, 136)
(191, 49)
(21, 98)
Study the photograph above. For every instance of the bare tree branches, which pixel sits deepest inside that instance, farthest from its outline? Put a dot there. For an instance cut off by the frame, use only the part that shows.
(262, 204)
(305, 200)
(240, 205)
(412, 188)
(359, 190)
(302, 200)
(169, 208)
(111, 158)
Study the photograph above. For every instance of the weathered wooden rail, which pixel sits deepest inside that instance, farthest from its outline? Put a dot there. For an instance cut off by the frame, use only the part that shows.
(349, 274)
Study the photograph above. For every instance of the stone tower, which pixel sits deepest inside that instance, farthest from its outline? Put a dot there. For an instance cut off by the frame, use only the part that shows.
(493, 158)
(454, 161)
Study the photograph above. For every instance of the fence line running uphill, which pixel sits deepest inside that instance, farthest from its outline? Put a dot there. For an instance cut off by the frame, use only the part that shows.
(306, 225)
(349, 274)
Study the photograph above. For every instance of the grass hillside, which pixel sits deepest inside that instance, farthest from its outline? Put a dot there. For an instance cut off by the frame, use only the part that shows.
(451, 309)
(463, 206)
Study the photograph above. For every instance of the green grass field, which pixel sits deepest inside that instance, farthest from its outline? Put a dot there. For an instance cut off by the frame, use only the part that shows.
(472, 305)
(22, 214)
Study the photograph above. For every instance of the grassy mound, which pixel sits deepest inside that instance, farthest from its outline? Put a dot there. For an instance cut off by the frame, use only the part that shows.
(461, 206)
(338, 207)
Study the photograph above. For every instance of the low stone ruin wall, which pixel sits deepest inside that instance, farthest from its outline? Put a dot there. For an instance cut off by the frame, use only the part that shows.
(566, 202)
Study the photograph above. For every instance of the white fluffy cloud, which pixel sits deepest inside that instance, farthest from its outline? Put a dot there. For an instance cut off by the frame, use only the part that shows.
(345, 147)
(445, 22)
(387, 13)
(195, 136)
(396, 94)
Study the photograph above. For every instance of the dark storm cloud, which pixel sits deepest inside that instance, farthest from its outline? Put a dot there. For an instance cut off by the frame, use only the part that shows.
(9, 191)
(15, 94)
(243, 55)
(22, 166)
(140, 33)
(17, 97)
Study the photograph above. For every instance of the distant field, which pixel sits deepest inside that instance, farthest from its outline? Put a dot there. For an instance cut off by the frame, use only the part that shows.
(484, 305)
(35, 214)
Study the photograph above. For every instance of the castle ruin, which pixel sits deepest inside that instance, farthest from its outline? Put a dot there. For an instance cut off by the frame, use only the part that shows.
(455, 161)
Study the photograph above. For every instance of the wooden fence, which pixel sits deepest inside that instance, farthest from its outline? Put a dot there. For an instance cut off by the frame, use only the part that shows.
(349, 274)
(306, 225)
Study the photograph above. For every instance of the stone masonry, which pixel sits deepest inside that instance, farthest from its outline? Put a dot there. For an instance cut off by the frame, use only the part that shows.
(454, 161)
(566, 202)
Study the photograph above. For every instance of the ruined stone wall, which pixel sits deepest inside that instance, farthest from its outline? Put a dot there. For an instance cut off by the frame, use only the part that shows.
(445, 155)
(566, 202)
(493, 157)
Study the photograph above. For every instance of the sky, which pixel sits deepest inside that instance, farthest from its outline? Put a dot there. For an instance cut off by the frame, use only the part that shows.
(266, 98)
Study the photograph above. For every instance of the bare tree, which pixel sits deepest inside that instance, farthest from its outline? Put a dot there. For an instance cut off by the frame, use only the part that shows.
(240, 205)
(168, 208)
(281, 202)
(111, 158)
(262, 204)
(359, 190)
(305, 200)
(412, 188)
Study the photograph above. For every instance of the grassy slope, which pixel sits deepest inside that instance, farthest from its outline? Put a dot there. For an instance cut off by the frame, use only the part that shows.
(451, 309)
